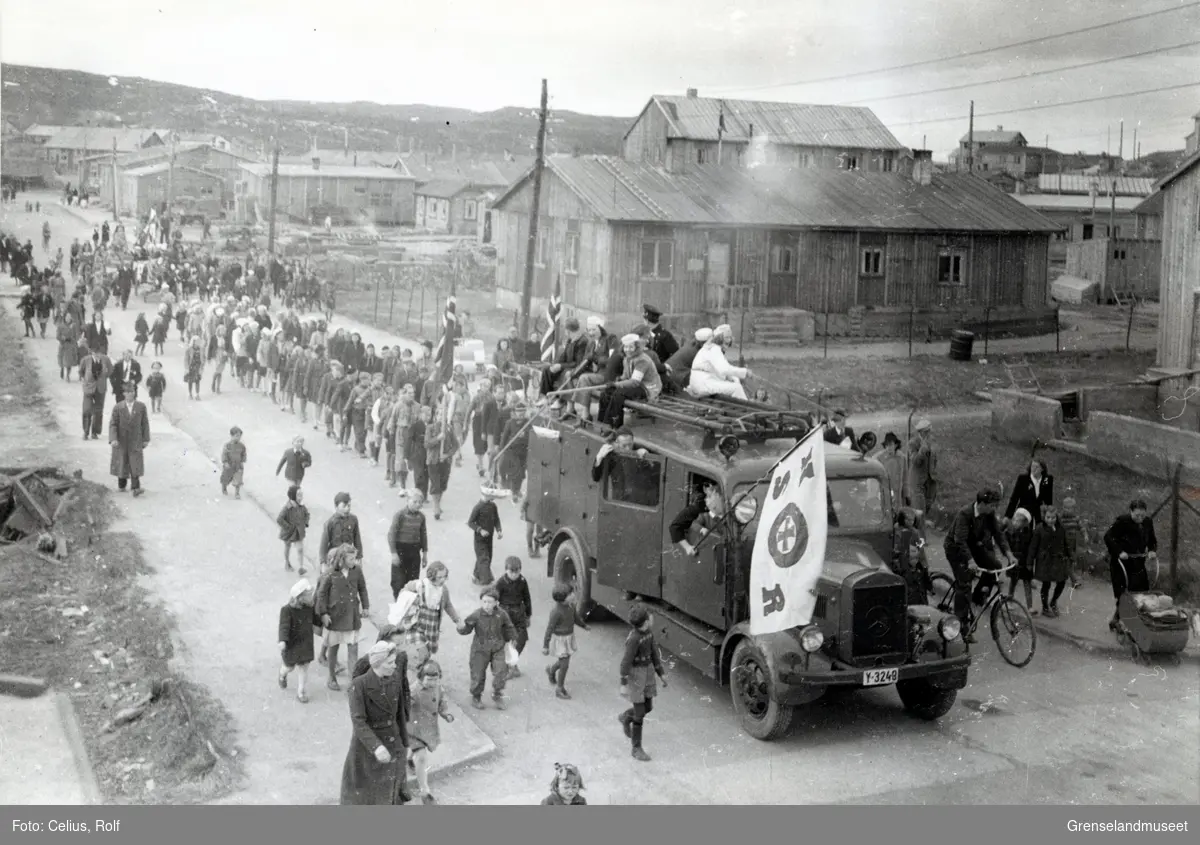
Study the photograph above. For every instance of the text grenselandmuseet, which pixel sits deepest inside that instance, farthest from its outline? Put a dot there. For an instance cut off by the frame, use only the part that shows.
(1126, 827)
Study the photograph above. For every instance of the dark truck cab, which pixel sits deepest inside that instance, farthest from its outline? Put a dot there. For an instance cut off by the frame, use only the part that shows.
(611, 540)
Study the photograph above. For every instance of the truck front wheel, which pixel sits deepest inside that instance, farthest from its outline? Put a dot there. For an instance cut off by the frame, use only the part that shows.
(751, 687)
(570, 568)
(924, 700)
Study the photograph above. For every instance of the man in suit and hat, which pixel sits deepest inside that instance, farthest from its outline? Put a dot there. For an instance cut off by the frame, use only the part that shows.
(126, 370)
(839, 434)
(662, 343)
(129, 435)
(94, 370)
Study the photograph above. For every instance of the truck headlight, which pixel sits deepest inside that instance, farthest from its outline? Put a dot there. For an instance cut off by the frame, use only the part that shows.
(950, 628)
(746, 509)
(811, 639)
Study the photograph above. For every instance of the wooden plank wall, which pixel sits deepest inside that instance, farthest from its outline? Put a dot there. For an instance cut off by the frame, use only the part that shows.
(1180, 270)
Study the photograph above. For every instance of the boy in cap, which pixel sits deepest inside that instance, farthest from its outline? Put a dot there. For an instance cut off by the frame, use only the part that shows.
(233, 461)
(493, 630)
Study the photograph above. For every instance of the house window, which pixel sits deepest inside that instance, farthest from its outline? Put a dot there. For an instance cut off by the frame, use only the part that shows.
(658, 259)
(701, 156)
(543, 249)
(1088, 231)
(806, 160)
(1119, 254)
(950, 268)
(888, 165)
(783, 259)
(378, 200)
(360, 189)
(872, 262)
(471, 210)
(851, 162)
(571, 259)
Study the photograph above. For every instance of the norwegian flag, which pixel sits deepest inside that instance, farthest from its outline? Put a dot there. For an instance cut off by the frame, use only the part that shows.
(549, 339)
(443, 354)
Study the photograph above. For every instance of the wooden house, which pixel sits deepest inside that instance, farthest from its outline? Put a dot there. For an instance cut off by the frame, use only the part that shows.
(678, 133)
(308, 191)
(864, 248)
(1118, 266)
(146, 187)
(67, 148)
(199, 155)
(1179, 318)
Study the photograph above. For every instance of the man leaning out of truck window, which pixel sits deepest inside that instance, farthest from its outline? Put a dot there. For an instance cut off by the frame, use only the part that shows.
(620, 443)
(705, 514)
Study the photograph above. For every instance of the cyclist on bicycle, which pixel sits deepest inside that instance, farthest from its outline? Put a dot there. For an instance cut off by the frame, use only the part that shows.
(970, 548)
(1130, 543)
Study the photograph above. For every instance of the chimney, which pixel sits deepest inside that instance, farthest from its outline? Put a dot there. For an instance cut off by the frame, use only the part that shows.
(316, 160)
(356, 159)
(692, 93)
(922, 172)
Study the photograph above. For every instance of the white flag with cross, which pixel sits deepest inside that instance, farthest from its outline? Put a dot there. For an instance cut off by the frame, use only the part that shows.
(789, 547)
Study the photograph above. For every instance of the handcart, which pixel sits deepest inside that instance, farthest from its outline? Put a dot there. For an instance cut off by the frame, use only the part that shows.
(1148, 622)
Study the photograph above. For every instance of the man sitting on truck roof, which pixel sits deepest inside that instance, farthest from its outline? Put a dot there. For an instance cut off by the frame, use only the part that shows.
(569, 357)
(639, 380)
(712, 374)
(591, 372)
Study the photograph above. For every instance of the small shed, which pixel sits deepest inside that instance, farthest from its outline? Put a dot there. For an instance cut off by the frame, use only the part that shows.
(143, 188)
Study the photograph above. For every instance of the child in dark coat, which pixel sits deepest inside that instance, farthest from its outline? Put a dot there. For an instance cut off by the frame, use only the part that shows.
(159, 333)
(515, 600)
(1050, 559)
(484, 521)
(560, 637)
(294, 462)
(565, 788)
(1019, 534)
(493, 630)
(233, 461)
(639, 666)
(156, 386)
(141, 334)
(296, 621)
(293, 525)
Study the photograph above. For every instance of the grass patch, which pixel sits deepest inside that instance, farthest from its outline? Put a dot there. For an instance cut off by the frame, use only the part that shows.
(969, 459)
(878, 384)
(111, 656)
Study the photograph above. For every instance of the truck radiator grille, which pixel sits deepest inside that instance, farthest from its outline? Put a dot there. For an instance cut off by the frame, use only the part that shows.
(880, 621)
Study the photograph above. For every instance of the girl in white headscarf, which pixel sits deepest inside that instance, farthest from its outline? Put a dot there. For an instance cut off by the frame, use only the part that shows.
(712, 374)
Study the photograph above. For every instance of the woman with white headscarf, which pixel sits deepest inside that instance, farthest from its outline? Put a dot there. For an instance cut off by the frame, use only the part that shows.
(712, 374)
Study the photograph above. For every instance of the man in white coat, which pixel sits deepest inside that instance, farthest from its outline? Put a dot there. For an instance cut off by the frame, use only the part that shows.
(712, 374)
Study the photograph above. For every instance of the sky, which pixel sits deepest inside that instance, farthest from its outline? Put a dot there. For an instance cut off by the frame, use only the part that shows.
(609, 56)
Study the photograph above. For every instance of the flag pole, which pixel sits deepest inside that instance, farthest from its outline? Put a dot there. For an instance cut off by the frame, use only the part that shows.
(764, 480)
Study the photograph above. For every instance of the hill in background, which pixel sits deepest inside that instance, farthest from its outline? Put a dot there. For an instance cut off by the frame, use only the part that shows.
(70, 97)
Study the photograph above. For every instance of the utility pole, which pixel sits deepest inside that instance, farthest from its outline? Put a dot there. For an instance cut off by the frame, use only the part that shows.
(1121, 146)
(971, 141)
(274, 191)
(534, 210)
(1133, 147)
(116, 184)
(170, 178)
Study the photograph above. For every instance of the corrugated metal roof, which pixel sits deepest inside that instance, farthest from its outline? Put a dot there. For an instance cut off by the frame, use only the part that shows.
(44, 130)
(1151, 206)
(86, 137)
(697, 118)
(443, 188)
(1077, 183)
(163, 167)
(1074, 202)
(620, 190)
(329, 171)
(342, 158)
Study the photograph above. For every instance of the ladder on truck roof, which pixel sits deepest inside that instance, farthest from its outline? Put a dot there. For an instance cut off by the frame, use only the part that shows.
(719, 416)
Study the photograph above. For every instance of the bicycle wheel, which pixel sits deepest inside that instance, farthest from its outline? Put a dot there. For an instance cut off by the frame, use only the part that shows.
(941, 592)
(1013, 631)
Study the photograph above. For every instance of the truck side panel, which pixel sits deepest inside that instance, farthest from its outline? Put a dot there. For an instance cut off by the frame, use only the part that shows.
(545, 462)
(578, 495)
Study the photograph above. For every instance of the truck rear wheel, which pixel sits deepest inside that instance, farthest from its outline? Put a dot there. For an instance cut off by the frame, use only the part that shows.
(751, 688)
(924, 700)
(570, 567)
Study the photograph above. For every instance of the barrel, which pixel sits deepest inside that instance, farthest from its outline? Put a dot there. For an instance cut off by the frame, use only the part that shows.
(960, 345)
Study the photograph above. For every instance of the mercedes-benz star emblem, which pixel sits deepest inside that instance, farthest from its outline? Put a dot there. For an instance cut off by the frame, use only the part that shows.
(878, 623)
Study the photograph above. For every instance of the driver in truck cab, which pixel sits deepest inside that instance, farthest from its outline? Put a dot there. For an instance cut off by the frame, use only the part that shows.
(704, 514)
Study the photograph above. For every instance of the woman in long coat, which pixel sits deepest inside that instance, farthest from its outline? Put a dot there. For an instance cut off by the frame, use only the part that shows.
(128, 434)
(1033, 491)
(68, 345)
(379, 718)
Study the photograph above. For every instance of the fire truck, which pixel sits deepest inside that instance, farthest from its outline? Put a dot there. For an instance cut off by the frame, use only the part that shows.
(610, 539)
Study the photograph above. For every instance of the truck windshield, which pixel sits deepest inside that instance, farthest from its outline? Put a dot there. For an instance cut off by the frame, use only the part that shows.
(855, 503)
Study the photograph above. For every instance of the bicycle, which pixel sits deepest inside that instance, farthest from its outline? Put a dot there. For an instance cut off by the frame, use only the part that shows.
(1008, 617)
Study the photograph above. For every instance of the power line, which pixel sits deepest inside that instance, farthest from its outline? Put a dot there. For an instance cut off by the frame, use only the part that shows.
(955, 57)
(1047, 105)
(1022, 75)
